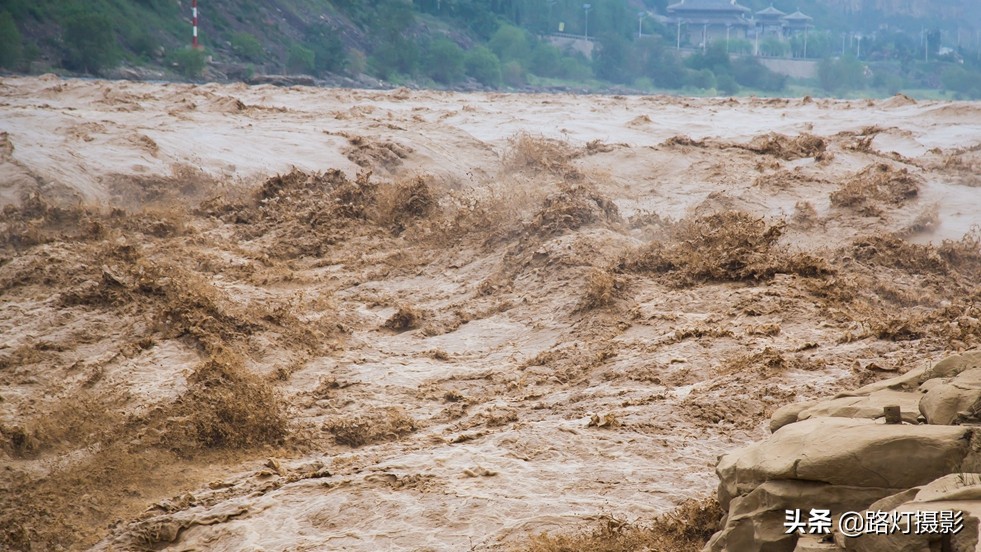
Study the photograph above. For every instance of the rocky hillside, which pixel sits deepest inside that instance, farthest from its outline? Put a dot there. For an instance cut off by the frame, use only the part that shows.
(391, 39)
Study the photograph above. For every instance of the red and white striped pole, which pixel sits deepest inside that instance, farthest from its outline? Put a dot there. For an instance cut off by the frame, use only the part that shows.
(194, 20)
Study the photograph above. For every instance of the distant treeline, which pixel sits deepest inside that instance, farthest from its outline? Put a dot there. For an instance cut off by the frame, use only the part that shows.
(491, 43)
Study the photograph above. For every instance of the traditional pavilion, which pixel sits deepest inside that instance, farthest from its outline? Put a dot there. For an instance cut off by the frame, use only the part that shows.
(703, 21)
(796, 23)
(769, 22)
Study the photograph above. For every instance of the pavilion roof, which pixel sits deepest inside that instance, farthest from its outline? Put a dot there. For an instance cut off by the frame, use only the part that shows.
(708, 5)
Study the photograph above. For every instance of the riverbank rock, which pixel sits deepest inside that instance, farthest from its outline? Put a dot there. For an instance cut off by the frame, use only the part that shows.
(958, 493)
(756, 521)
(955, 400)
(845, 451)
(840, 455)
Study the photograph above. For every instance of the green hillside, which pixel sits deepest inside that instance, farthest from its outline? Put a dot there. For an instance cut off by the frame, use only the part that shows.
(486, 43)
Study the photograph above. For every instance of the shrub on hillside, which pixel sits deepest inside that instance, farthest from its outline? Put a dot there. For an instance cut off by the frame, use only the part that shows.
(727, 85)
(514, 74)
(246, 47)
(962, 81)
(10, 48)
(660, 63)
(546, 60)
(444, 61)
(714, 58)
(749, 72)
(329, 54)
(703, 79)
(299, 59)
(612, 59)
(511, 44)
(89, 41)
(189, 62)
(574, 68)
(481, 64)
(841, 75)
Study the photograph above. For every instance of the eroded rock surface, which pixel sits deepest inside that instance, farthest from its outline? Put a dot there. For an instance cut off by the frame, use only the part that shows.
(840, 455)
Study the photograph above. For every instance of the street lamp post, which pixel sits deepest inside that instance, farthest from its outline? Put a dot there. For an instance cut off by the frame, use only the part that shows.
(586, 8)
(805, 40)
(640, 24)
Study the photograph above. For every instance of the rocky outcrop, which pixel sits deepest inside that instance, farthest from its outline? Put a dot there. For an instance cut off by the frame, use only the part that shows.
(755, 521)
(841, 455)
(959, 492)
(957, 400)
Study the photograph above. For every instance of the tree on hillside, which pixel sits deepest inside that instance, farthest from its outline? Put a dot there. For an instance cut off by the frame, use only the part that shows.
(10, 48)
(714, 58)
(443, 61)
(481, 64)
(394, 53)
(818, 44)
(749, 72)
(189, 61)
(300, 59)
(841, 75)
(964, 82)
(546, 60)
(511, 43)
(611, 59)
(89, 41)
(247, 47)
(329, 54)
(659, 63)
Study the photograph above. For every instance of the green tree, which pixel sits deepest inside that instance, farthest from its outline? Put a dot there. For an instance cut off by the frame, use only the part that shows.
(190, 62)
(481, 64)
(611, 59)
(774, 47)
(819, 45)
(247, 47)
(660, 63)
(141, 41)
(740, 46)
(299, 59)
(394, 53)
(10, 47)
(575, 68)
(749, 72)
(514, 74)
(444, 61)
(329, 54)
(703, 79)
(841, 75)
(888, 82)
(510, 44)
(726, 84)
(89, 40)
(714, 58)
(546, 60)
(962, 81)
